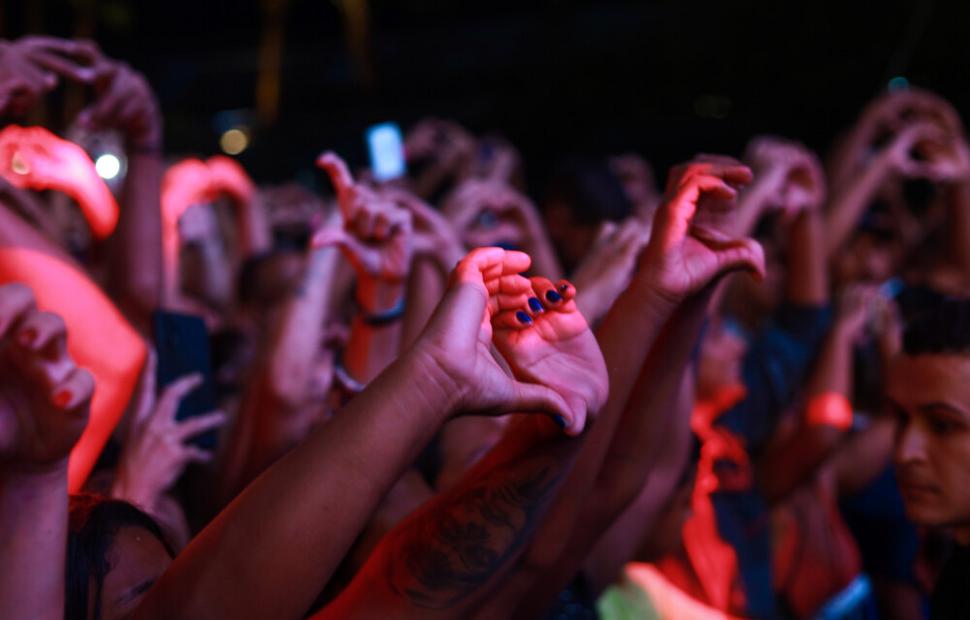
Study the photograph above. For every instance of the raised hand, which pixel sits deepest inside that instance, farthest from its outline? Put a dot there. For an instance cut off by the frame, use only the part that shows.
(126, 102)
(683, 257)
(30, 68)
(458, 340)
(893, 111)
(34, 158)
(226, 175)
(856, 310)
(547, 341)
(376, 236)
(44, 397)
(608, 267)
(156, 452)
(794, 172)
(433, 234)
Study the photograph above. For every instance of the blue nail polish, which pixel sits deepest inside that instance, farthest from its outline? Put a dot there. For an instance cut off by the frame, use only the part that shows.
(563, 287)
(553, 296)
(523, 317)
(535, 304)
(560, 421)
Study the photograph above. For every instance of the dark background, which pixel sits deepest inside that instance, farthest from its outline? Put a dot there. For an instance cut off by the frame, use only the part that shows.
(667, 78)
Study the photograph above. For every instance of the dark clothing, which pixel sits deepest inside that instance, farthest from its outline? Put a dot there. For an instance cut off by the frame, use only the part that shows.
(951, 598)
(774, 369)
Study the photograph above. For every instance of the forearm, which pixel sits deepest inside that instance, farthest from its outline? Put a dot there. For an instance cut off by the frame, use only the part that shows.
(33, 544)
(285, 534)
(631, 457)
(296, 341)
(254, 230)
(850, 202)
(659, 389)
(371, 348)
(622, 542)
(807, 282)
(426, 287)
(787, 465)
(136, 265)
(448, 555)
(216, 273)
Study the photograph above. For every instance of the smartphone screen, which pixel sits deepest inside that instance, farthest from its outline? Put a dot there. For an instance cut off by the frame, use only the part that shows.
(182, 344)
(386, 148)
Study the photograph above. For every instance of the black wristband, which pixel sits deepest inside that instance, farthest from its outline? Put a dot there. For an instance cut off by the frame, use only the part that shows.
(382, 318)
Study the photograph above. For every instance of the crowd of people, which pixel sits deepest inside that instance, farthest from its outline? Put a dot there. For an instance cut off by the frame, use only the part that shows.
(218, 399)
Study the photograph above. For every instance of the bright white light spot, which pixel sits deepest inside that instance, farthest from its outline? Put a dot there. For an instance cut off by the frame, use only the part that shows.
(234, 141)
(108, 166)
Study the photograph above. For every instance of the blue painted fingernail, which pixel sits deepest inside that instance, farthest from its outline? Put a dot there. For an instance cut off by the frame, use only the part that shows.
(563, 287)
(535, 304)
(553, 296)
(523, 317)
(560, 421)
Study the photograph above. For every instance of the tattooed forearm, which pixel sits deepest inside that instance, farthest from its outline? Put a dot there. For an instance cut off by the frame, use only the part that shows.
(464, 539)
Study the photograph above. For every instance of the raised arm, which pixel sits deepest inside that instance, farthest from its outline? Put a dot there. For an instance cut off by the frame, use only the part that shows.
(827, 413)
(126, 102)
(377, 238)
(43, 410)
(285, 534)
(680, 259)
(443, 559)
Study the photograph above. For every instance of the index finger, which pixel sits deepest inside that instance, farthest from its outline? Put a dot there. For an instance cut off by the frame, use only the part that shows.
(337, 169)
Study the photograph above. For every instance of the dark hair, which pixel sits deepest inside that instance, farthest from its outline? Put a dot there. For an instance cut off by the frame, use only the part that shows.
(942, 329)
(93, 523)
(590, 190)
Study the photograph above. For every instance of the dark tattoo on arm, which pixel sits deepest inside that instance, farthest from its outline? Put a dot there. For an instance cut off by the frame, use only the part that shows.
(464, 539)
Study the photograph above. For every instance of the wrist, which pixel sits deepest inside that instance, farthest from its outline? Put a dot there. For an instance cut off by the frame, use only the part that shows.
(427, 377)
(651, 293)
(375, 297)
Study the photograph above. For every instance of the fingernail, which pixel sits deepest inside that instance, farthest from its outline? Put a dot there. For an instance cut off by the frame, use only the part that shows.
(62, 398)
(27, 337)
(523, 317)
(535, 305)
(553, 296)
(563, 287)
(560, 421)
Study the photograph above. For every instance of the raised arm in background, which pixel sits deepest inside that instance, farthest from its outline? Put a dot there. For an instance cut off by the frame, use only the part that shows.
(376, 237)
(681, 259)
(126, 102)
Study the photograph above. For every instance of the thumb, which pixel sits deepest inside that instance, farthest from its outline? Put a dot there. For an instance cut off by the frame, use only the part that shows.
(535, 398)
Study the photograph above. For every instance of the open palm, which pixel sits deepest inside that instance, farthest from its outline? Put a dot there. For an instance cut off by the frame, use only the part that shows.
(547, 340)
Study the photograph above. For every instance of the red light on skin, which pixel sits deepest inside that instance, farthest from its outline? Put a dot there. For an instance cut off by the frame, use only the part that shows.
(192, 182)
(34, 158)
(98, 338)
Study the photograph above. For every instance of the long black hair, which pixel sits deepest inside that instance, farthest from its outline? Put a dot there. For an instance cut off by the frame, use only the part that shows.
(92, 525)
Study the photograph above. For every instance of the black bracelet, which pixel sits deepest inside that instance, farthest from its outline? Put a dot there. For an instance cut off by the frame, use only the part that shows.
(381, 318)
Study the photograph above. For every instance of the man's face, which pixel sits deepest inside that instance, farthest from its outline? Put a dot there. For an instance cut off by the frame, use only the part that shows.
(931, 397)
